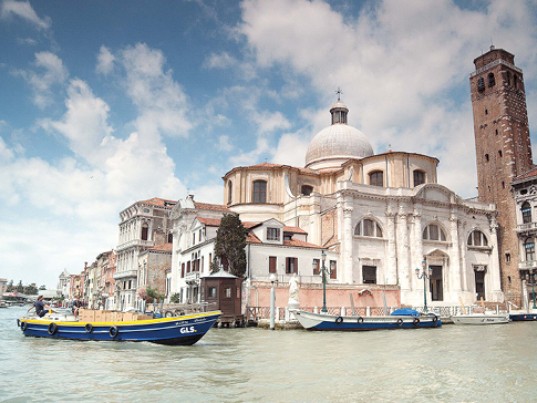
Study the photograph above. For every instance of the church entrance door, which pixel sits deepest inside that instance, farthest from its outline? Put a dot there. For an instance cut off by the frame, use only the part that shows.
(436, 283)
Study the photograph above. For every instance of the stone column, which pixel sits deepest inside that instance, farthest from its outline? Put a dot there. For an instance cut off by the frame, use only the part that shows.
(403, 261)
(346, 244)
(390, 268)
(455, 270)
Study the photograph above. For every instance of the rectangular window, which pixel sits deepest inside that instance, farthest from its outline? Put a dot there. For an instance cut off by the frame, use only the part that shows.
(272, 264)
(333, 269)
(376, 178)
(228, 292)
(260, 192)
(433, 232)
(291, 265)
(316, 266)
(530, 251)
(212, 292)
(369, 274)
(273, 234)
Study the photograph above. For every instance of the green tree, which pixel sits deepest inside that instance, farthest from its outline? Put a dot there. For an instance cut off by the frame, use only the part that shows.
(174, 299)
(10, 287)
(43, 287)
(20, 287)
(231, 243)
(30, 289)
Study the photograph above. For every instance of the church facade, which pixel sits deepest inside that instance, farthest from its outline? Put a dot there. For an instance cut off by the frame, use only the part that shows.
(380, 224)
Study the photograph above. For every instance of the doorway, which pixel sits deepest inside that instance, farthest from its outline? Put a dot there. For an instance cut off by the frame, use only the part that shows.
(436, 283)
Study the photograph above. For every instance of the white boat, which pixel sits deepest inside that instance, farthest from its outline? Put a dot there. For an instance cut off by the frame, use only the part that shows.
(481, 318)
(401, 319)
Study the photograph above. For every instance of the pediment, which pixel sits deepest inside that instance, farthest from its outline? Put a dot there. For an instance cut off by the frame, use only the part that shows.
(436, 193)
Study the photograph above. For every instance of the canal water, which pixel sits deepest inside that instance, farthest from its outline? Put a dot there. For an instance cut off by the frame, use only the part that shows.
(452, 364)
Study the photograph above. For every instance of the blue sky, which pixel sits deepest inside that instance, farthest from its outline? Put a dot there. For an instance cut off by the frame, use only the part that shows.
(104, 103)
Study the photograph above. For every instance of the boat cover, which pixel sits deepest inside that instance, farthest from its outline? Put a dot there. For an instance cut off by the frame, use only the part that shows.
(405, 312)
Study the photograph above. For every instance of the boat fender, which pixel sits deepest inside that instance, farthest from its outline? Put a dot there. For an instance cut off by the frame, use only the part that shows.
(52, 328)
(339, 319)
(88, 328)
(435, 318)
(400, 322)
(18, 323)
(24, 326)
(415, 321)
(360, 319)
(113, 332)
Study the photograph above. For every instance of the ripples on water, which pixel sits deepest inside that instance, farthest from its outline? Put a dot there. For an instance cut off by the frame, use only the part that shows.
(451, 364)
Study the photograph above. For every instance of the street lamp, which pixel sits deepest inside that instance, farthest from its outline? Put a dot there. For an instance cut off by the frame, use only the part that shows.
(425, 274)
(533, 278)
(323, 271)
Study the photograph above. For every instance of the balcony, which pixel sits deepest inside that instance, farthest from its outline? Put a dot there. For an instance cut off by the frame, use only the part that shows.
(527, 228)
(124, 274)
(192, 277)
(135, 242)
(527, 265)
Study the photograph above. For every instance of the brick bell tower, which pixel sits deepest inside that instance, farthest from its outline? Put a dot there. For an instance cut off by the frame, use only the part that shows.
(503, 150)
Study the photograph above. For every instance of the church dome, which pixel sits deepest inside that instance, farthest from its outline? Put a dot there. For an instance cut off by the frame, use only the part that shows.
(338, 142)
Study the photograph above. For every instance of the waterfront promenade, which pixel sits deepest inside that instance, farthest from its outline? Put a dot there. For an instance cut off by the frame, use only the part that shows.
(449, 364)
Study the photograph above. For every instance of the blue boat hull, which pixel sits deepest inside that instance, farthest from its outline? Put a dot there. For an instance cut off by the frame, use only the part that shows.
(314, 321)
(181, 330)
(519, 317)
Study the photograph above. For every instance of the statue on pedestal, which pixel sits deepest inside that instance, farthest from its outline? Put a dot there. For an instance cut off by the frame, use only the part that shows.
(293, 293)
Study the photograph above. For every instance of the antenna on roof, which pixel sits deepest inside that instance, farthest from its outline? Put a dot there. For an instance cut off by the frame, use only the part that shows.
(339, 92)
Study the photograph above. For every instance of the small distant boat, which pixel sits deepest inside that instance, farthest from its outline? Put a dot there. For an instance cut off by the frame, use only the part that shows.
(481, 319)
(3, 304)
(399, 319)
(179, 330)
(521, 315)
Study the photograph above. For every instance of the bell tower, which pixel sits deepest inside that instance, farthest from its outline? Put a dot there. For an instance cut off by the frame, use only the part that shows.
(503, 149)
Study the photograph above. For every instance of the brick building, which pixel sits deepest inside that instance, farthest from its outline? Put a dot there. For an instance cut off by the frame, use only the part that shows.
(503, 150)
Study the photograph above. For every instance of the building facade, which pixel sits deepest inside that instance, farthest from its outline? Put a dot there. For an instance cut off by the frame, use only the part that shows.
(380, 218)
(503, 150)
(144, 225)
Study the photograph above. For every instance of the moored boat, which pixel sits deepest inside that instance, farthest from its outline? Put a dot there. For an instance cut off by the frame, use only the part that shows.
(179, 330)
(521, 315)
(410, 319)
(481, 319)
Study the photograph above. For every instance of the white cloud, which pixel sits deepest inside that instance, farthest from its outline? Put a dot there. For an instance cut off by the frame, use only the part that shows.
(221, 60)
(105, 61)
(23, 10)
(224, 143)
(162, 104)
(49, 72)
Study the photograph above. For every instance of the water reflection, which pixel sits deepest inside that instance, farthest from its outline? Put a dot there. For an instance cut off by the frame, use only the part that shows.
(451, 364)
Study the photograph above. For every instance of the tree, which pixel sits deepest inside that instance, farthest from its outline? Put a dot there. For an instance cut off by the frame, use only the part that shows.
(10, 287)
(20, 287)
(43, 287)
(230, 244)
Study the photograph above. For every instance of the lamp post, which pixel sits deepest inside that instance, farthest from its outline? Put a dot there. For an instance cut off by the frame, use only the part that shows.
(533, 278)
(323, 271)
(425, 274)
(272, 301)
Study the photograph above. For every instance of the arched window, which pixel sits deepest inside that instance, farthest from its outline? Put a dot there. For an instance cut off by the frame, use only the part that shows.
(477, 238)
(492, 80)
(480, 84)
(419, 177)
(259, 192)
(376, 178)
(526, 212)
(145, 231)
(434, 232)
(306, 190)
(368, 227)
(229, 192)
(529, 246)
